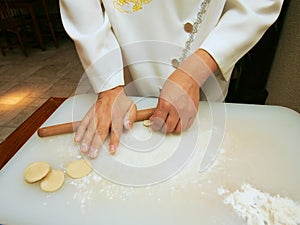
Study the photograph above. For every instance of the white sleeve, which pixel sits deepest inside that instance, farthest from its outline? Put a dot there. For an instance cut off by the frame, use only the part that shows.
(241, 26)
(95, 42)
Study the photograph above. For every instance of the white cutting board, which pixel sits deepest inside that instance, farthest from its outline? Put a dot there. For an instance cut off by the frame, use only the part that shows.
(261, 147)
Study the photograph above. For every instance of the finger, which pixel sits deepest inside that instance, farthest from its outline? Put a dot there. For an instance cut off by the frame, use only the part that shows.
(160, 115)
(97, 143)
(116, 132)
(171, 122)
(87, 137)
(185, 119)
(130, 117)
(82, 128)
(193, 114)
(157, 123)
(95, 147)
(178, 128)
(102, 131)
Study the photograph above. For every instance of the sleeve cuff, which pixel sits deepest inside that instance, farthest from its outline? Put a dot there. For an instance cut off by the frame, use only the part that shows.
(101, 84)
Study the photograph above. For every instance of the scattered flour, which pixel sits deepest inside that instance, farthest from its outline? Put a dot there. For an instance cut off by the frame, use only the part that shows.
(259, 208)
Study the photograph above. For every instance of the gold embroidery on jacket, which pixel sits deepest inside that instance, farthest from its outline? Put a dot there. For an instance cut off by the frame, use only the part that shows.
(128, 6)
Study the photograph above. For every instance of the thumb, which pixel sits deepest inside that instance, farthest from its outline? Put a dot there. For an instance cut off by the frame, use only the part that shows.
(130, 117)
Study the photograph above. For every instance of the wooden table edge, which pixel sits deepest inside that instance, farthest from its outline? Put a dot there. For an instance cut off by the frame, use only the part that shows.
(10, 146)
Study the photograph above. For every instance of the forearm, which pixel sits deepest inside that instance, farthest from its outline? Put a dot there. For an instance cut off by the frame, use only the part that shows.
(241, 26)
(97, 47)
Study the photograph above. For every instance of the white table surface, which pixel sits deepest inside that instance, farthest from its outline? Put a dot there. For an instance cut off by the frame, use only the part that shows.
(261, 147)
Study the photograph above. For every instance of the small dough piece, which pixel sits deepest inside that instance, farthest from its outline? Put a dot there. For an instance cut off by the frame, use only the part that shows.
(147, 123)
(78, 169)
(36, 171)
(53, 181)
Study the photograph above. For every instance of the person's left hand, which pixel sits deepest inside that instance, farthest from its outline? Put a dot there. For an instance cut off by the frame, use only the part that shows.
(177, 105)
(179, 99)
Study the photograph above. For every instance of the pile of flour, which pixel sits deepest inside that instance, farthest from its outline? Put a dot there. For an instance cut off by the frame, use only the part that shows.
(259, 208)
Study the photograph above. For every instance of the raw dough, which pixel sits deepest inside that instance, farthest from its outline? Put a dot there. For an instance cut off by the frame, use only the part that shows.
(36, 171)
(78, 169)
(53, 181)
(147, 123)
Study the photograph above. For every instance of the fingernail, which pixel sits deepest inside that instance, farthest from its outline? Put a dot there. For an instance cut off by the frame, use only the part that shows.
(127, 124)
(84, 147)
(77, 137)
(93, 153)
(112, 149)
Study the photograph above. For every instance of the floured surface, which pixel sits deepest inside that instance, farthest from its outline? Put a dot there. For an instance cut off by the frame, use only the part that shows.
(261, 147)
(260, 208)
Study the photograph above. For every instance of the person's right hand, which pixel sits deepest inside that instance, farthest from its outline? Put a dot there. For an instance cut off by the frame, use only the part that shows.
(112, 110)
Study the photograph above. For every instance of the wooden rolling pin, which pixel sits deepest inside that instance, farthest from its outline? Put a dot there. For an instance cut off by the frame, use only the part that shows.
(72, 126)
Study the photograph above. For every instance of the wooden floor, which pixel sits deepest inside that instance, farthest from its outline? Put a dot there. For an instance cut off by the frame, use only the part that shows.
(27, 82)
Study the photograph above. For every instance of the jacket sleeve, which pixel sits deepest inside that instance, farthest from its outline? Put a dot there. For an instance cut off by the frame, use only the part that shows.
(240, 27)
(97, 47)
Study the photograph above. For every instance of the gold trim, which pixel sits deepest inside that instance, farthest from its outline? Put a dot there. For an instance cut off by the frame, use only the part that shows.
(129, 6)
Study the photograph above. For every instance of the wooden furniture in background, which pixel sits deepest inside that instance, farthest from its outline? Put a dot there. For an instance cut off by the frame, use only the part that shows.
(12, 22)
(42, 19)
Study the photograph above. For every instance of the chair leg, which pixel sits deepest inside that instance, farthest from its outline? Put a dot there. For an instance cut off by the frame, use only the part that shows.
(37, 29)
(21, 44)
(50, 24)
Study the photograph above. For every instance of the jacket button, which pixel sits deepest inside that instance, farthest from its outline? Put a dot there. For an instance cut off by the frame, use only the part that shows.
(188, 27)
(175, 63)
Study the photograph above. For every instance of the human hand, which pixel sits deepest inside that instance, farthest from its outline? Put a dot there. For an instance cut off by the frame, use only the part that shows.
(177, 105)
(179, 99)
(112, 110)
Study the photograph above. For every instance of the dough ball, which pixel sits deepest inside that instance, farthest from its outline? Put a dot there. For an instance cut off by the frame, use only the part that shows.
(147, 123)
(53, 181)
(36, 171)
(78, 169)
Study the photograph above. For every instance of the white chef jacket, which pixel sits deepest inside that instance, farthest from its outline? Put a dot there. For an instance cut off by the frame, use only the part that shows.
(146, 35)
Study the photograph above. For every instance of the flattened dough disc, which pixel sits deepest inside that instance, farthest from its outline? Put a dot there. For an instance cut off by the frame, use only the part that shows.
(36, 171)
(78, 169)
(53, 181)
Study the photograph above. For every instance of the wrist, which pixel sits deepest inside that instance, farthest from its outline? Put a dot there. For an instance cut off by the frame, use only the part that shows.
(207, 59)
(114, 91)
(199, 66)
